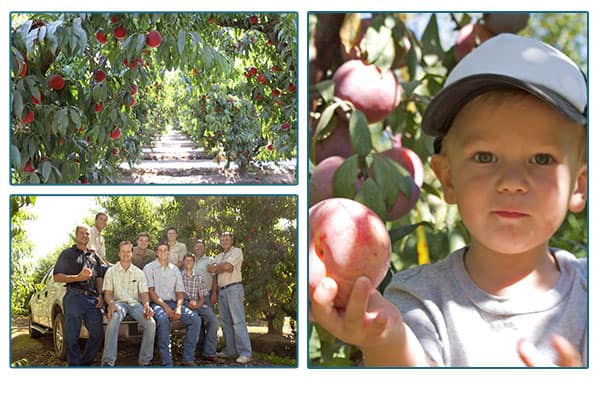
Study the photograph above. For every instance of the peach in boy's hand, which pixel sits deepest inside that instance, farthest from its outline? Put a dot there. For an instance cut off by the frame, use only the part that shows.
(346, 240)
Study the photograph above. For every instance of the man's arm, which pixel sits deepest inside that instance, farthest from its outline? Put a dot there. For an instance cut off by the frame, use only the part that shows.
(148, 312)
(82, 276)
(108, 297)
(156, 299)
(180, 300)
(219, 268)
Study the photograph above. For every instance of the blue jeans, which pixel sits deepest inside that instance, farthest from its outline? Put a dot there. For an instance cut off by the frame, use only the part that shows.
(111, 336)
(233, 321)
(207, 341)
(82, 307)
(163, 333)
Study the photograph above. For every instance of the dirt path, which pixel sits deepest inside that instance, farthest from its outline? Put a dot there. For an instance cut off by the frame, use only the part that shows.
(27, 352)
(174, 159)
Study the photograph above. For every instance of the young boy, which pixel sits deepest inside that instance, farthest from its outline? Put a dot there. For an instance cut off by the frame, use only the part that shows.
(510, 128)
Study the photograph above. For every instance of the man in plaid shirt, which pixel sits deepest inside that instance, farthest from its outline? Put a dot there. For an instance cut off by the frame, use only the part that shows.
(195, 288)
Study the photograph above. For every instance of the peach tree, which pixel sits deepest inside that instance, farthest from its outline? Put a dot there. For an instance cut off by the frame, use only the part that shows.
(250, 114)
(79, 84)
(371, 78)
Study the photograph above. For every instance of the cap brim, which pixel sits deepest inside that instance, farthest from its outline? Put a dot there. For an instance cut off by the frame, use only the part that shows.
(442, 110)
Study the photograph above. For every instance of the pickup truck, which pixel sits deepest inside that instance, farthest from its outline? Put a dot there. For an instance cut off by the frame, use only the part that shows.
(46, 316)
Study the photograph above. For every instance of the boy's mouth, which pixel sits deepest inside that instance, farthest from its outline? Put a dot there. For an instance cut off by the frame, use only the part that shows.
(509, 214)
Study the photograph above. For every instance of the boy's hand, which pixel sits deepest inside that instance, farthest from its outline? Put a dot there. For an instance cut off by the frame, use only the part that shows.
(368, 320)
(567, 355)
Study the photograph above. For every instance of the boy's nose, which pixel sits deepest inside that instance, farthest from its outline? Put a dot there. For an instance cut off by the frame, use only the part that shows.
(512, 179)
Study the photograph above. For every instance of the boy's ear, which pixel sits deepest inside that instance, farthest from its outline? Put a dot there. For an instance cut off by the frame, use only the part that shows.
(579, 194)
(441, 168)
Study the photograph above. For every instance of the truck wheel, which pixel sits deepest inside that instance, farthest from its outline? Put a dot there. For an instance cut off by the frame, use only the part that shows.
(33, 333)
(58, 334)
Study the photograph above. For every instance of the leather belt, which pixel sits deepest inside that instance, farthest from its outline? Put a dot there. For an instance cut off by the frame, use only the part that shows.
(83, 291)
(231, 284)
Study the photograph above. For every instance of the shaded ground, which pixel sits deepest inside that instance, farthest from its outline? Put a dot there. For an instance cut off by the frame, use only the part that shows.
(268, 350)
(174, 159)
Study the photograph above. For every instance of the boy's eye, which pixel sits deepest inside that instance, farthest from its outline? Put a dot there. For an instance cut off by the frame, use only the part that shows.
(542, 159)
(484, 157)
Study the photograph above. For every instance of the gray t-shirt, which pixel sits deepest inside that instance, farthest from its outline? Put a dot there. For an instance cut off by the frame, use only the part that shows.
(460, 325)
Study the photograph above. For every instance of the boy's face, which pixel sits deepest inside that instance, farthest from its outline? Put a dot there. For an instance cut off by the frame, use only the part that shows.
(513, 169)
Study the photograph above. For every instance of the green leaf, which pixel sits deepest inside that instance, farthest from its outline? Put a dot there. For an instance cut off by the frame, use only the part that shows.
(181, 41)
(326, 89)
(324, 121)
(17, 105)
(60, 121)
(370, 194)
(431, 38)
(380, 47)
(399, 233)
(380, 140)
(345, 177)
(46, 169)
(392, 177)
(15, 156)
(75, 117)
(139, 42)
(360, 135)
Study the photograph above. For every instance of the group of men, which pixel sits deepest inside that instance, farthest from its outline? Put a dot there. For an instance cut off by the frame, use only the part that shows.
(154, 288)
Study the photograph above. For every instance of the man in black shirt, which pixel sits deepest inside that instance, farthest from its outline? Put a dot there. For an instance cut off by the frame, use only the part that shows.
(80, 268)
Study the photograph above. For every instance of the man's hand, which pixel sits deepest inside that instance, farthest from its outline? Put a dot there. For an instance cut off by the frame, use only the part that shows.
(169, 311)
(100, 303)
(193, 304)
(148, 311)
(566, 354)
(213, 297)
(84, 274)
(177, 314)
(111, 309)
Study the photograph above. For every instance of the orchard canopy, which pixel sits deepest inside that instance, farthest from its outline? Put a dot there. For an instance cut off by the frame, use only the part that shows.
(88, 90)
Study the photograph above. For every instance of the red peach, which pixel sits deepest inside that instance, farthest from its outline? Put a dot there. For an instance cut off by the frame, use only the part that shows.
(120, 33)
(134, 90)
(254, 19)
(115, 134)
(37, 101)
(346, 240)
(56, 82)
(374, 93)
(28, 167)
(336, 144)
(469, 37)
(99, 107)
(101, 37)
(321, 180)
(99, 76)
(153, 39)
(27, 119)
(505, 22)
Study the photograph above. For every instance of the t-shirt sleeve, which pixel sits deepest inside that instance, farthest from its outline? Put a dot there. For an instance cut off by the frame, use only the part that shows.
(62, 264)
(418, 316)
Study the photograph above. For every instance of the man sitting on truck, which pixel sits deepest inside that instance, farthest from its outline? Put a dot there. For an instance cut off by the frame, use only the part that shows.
(126, 293)
(167, 293)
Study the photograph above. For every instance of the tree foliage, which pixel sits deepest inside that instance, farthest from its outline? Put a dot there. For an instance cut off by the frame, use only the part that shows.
(108, 99)
(21, 251)
(264, 228)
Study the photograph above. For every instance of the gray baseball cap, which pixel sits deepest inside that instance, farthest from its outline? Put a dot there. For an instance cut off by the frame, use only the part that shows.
(509, 60)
